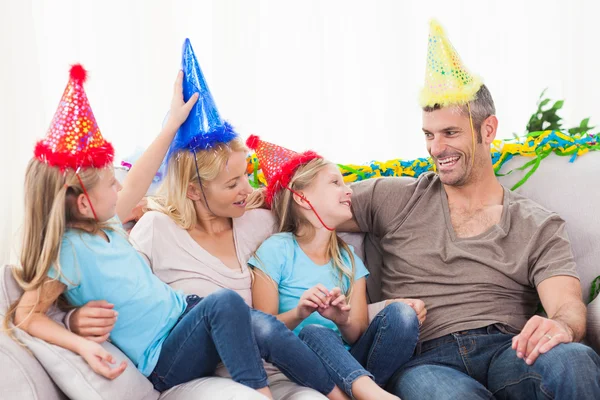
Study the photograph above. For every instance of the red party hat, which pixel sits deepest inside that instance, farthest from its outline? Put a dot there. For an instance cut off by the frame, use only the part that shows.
(74, 139)
(277, 163)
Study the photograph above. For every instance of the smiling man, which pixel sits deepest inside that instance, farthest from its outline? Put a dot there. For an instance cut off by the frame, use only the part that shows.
(480, 256)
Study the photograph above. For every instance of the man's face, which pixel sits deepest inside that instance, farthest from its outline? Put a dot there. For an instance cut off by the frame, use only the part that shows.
(450, 144)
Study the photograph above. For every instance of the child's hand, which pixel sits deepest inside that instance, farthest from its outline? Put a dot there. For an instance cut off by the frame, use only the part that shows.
(311, 300)
(338, 310)
(415, 304)
(99, 359)
(179, 108)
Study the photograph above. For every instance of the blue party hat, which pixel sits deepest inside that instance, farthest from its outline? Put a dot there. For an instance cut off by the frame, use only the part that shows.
(203, 128)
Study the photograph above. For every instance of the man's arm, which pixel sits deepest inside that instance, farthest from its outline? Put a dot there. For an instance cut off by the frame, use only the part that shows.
(349, 226)
(561, 298)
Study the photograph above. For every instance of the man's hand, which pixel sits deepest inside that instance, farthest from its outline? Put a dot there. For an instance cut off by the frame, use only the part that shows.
(94, 321)
(538, 336)
(415, 304)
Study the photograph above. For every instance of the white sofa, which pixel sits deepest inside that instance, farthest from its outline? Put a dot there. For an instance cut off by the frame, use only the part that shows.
(571, 189)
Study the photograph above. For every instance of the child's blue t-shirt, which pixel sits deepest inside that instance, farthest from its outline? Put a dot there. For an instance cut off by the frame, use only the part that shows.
(281, 258)
(94, 269)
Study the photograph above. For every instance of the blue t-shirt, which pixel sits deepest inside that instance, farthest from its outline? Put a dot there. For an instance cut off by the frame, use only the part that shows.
(94, 269)
(294, 272)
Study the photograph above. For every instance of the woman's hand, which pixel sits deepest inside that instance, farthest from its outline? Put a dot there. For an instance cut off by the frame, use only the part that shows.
(179, 108)
(94, 321)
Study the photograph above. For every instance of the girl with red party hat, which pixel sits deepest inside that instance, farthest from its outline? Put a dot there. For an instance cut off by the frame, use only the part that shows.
(313, 281)
(75, 245)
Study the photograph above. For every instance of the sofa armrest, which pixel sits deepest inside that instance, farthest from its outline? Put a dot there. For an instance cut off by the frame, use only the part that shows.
(593, 324)
(21, 375)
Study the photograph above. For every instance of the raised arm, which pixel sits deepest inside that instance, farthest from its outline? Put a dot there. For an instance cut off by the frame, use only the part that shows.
(140, 176)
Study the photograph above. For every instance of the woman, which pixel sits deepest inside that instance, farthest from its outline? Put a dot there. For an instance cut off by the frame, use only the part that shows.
(198, 239)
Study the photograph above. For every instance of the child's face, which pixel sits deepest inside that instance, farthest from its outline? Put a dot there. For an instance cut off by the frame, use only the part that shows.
(104, 195)
(330, 197)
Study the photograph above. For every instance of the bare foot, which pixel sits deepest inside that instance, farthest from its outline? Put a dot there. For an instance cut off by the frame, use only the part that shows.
(364, 388)
(337, 394)
(265, 392)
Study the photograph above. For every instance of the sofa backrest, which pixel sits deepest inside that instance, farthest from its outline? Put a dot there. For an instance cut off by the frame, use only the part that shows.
(571, 189)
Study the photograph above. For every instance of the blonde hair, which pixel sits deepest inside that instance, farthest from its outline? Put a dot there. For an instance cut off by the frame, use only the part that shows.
(171, 198)
(50, 209)
(290, 219)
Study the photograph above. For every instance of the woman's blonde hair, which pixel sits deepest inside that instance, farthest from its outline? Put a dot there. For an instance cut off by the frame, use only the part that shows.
(50, 209)
(171, 198)
(290, 219)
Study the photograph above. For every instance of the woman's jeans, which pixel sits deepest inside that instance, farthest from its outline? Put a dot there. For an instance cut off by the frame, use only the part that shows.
(221, 327)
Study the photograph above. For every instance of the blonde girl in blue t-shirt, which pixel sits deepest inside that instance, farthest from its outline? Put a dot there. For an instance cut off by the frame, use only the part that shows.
(313, 282)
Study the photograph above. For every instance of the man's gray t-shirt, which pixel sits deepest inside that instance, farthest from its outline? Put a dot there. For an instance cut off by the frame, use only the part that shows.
(412, 251)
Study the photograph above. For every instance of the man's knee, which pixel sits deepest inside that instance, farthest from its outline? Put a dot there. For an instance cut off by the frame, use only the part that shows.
(435, 382)
(571, 359)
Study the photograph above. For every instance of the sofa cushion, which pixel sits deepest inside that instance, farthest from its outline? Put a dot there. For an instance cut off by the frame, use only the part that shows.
(68, 370)
(211, 388)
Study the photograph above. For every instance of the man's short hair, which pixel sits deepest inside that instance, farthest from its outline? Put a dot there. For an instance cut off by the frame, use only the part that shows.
(481, 108)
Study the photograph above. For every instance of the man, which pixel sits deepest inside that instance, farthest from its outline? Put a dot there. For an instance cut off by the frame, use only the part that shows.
(479, 256)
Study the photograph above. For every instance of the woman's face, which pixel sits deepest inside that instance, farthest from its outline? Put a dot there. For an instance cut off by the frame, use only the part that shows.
(227, 193)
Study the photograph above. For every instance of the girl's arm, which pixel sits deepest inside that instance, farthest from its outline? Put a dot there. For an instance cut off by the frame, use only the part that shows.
(31, 317)
(140, 176)
(357, 321)
(265, 297)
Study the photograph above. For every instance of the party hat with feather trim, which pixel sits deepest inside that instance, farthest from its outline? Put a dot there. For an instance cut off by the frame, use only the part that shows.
(204, 128)
(74, 140)
(447, 80)
(277, 163)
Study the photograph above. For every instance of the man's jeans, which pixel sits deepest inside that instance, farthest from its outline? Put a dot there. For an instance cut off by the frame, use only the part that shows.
(480, 364)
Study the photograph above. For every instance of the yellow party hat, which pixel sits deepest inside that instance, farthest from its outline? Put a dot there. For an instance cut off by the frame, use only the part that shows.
(447, 81)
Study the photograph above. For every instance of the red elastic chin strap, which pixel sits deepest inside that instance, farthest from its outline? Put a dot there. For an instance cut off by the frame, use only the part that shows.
(311, 207)
(86, 196)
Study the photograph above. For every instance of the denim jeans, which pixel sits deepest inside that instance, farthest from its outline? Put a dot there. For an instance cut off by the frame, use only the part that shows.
(222, 327)
(213, 328)
(386, 345)
(480, 364)
(282, 348)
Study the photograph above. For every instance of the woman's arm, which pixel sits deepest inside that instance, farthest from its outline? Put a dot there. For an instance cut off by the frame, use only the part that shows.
(140, 176)
(31, 317)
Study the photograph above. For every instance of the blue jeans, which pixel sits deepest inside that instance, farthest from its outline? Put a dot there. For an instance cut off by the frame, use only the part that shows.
(279, 346)
(221, 327)
(211, 329)
(480, 364)
(386, 345)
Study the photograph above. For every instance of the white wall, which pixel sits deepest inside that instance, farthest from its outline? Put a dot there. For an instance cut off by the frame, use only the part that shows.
(341, 77)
